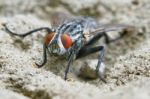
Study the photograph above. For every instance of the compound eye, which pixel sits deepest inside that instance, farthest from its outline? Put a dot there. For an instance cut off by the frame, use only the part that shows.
(49, 37)
(66, 41)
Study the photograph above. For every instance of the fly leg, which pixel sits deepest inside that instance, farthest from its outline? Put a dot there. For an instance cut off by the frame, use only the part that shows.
(86, 51)
(95, 39)
(107, 40)
(102, 34)
(44, 57)
(27, 33)
(100, 60)
(70, 60)
(30, 32)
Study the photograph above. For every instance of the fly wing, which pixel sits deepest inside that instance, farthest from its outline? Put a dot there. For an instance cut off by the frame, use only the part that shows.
(110, 27)
(58, 18)
(113, 31)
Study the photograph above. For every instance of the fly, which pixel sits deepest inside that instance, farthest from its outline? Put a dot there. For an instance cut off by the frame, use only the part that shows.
(74, 39)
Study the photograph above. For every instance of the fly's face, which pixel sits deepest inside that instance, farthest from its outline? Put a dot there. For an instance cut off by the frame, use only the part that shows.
(58, 43)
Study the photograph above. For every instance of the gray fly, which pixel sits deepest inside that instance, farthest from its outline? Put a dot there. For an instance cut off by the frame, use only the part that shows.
(74, 39)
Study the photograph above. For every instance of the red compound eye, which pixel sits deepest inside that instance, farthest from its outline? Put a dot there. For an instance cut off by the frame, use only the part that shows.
(49, 37)
(66, 41)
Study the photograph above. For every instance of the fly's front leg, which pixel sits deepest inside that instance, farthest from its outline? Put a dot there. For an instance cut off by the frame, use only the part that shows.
(27, 33)
(70, 60)
(87, 50)
(73, 52)
(31, 32)
(44, 57)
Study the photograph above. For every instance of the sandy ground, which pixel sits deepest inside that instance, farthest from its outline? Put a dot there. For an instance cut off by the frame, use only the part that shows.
(127, 60)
